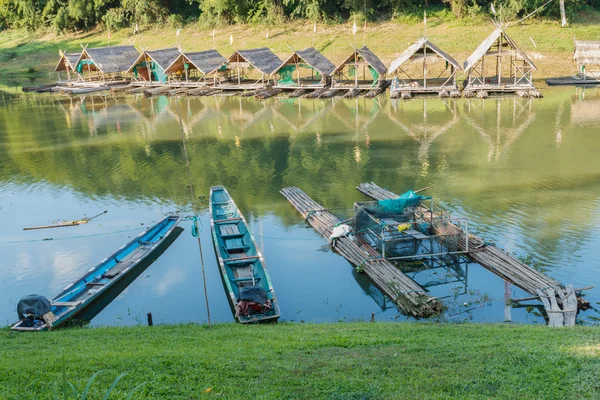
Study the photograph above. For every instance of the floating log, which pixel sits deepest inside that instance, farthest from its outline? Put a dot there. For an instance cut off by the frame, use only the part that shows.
(352, 93)
(297, 93)
(492, 258)
(317, 93)
(410, 298)
(85, 90)
(262, 94)
(156, 91)
(329, 93)
(374, 92)
(247, 93)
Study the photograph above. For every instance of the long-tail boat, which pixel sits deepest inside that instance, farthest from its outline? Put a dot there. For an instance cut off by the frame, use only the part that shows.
(86, 297)
(242, 266)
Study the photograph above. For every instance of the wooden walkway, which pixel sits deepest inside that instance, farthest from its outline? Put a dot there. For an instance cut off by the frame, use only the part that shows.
(410, 298)
(500, 262)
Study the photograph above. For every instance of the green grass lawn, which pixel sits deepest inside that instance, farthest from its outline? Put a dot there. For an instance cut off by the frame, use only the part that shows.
(26, 56)
(313, 361)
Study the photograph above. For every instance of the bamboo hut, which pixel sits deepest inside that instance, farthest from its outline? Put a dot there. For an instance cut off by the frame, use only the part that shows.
(106, 63)
(424, 68)
(307, 69)
(360, 70)
(498, 65)
(249, 69)
(587, 57)
(67, 63)
(196, 68)
(151, 66)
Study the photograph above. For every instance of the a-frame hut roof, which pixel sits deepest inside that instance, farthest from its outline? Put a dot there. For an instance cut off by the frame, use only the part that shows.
(205, 61)
(67, 61)
(312, 57)
(112, 59)
(487, 44)
(163, 57)
(262, 59)
(587, 52)
(418, 47)
(368, 56)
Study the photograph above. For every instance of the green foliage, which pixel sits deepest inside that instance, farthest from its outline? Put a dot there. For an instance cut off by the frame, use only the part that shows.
(65, 15)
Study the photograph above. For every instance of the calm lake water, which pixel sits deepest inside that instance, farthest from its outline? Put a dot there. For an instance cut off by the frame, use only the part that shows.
(526, 173)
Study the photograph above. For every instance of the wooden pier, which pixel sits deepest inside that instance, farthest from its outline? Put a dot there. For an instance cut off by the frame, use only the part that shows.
(506, 267)
(410, 298)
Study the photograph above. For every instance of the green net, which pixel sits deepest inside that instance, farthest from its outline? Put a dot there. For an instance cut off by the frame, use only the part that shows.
(374, 74)
(286, 75)
(399, 204)
(351, 70)
(80, 64)
(158, 73)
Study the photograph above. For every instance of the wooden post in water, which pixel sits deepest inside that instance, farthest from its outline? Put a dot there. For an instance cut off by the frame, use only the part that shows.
(150, 322)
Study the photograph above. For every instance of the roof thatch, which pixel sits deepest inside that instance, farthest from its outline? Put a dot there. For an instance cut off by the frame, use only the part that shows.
(485, 46)
(312, 57)
(262, 59)
(163, 58)
(205, 61)
(366, 55)
(67, 61)
(418, 47)
(113, 59)
(587, 52)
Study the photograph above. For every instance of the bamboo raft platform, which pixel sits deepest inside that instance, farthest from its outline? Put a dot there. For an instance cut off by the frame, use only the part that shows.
(410, 298)
(506, 266)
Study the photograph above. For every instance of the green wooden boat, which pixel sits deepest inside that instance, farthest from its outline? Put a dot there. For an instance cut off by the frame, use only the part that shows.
(242, 266)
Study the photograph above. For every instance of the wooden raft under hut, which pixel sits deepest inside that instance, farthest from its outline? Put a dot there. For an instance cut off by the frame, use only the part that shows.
(561, 303)
(410, 298)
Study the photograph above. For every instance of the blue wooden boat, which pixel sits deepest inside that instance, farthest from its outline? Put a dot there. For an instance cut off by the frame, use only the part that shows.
(242, 266)
(85, 298)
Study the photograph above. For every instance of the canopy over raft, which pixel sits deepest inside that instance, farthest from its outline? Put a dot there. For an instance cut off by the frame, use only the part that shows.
(250, 69)
(498, 65)
(352, 72)
(198, 65)
(151, 65)
(112, 60)
(415, 71)
(310, 67)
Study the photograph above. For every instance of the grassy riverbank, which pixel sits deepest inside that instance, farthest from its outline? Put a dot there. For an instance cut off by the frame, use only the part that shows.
(314, 361)
(26, 56)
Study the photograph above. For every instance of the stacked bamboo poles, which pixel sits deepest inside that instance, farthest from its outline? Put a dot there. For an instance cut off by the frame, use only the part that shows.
(408, 295)
(491, 258)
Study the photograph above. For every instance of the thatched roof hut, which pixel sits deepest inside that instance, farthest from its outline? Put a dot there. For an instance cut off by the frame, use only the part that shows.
(425, 54)
(312, 69)
(156, 62)
(587, 54)
(107, 60)
(502, 50)
(347, 74)
(67, 61)
(263, 59)
(240, 64)
(203, 62)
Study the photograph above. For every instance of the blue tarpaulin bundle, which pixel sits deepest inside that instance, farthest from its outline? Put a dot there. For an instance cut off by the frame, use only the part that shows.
(397, 205)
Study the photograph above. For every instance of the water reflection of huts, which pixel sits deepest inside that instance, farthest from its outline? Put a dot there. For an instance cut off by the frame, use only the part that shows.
(498, 65)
